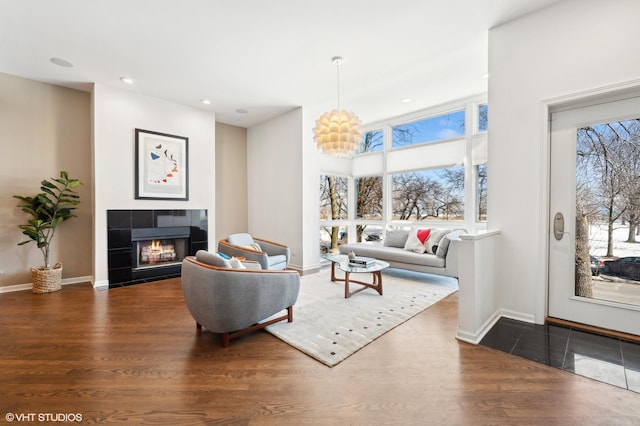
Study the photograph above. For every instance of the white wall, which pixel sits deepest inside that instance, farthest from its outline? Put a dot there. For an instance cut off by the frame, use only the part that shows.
(275, 181)
(116, 115)
(231, 180)
(571, 48)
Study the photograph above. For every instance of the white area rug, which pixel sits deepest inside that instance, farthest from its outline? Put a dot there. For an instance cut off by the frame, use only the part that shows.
(330, 328)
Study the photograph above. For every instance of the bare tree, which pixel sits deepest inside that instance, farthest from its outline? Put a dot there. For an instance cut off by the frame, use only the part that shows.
(372, 141)
(418, 197)
(483, 117)
(408, 194)
(599, 178)
(333, 204)
(481, 192)
(583, 280)
(369, 201)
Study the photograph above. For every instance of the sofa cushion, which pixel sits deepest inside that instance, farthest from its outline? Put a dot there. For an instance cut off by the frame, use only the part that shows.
(393, 254)
(278, 261)
(212, 259)
(395, 238)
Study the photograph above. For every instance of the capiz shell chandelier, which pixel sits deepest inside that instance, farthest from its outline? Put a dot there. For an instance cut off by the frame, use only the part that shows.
(338, 133)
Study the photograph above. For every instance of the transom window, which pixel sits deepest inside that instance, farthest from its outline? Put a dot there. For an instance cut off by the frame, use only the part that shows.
(372, 142)
(441, 127)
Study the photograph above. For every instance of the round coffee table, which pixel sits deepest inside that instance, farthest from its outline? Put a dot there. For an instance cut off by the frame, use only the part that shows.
(342, 261)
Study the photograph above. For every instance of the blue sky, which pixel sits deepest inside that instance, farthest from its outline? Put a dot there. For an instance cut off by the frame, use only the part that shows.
(431, 129)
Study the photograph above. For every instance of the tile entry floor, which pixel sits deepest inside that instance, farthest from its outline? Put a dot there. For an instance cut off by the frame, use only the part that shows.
(606, 359)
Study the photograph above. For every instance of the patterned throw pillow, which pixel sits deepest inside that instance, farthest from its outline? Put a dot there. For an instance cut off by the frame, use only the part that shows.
(416, 239)
(431, 245)
(254, 247)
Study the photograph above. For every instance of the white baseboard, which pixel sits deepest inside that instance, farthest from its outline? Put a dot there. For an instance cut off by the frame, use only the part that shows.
(475, 337)
(304, 271)
(65, 281)
(101, 285)
(518, 316)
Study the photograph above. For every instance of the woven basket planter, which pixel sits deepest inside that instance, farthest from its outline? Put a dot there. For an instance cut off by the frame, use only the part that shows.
(47, 280)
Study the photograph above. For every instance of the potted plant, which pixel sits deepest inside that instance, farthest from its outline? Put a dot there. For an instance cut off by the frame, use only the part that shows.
(48, 209)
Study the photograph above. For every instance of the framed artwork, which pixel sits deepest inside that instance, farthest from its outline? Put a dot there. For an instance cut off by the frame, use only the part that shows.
(162, 166)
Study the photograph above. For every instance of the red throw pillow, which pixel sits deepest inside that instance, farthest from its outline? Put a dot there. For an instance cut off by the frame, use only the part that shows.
(423, 234)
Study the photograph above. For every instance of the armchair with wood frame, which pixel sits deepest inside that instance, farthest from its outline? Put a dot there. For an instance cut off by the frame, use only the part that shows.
(269, 254)
(235, 301)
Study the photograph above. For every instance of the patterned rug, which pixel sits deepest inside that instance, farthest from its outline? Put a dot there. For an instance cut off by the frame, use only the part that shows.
(330, 328)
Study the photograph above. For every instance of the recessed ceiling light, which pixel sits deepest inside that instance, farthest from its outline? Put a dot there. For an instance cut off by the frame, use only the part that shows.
(206, 101)
(127, 80)
(242, 111)
(406, 100)
(62, 62)
(485, 75)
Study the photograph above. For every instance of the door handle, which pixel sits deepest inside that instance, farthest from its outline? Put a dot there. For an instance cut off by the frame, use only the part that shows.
(558, 226)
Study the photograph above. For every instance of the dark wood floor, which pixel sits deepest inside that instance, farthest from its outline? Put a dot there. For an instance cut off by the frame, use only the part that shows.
(133, 355)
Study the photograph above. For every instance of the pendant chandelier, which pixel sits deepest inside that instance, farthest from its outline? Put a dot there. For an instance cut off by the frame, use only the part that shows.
(338, 133)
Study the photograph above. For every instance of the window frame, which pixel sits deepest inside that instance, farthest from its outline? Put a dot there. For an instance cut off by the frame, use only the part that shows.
(474, 144)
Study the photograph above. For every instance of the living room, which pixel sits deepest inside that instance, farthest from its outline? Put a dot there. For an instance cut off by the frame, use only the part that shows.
(241, 175)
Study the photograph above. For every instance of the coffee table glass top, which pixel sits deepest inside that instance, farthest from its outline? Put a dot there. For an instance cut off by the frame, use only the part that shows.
(342, 260)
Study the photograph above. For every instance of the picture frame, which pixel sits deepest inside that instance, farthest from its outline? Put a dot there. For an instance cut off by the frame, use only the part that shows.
(161, 166)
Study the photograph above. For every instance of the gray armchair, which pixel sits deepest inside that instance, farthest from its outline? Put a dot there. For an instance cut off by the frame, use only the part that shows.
(268, 254)
(231, 301)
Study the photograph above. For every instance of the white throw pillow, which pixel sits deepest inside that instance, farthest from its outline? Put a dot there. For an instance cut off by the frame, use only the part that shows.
(213, 259)
(236, 264)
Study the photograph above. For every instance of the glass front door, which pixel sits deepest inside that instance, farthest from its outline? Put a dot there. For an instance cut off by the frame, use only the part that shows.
(594, 241)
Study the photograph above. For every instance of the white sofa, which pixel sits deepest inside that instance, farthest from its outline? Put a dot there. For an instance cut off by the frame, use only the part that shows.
(394, 249)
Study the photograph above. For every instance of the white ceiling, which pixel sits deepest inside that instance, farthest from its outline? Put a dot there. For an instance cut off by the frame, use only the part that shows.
(264, 56)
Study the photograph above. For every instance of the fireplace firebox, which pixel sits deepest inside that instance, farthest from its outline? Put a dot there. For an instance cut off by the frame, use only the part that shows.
(161, 252)
(159, 247)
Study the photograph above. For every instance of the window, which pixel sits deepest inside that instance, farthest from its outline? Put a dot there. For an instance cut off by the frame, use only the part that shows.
(409, 171)
(333, 197)
(429, 195)
(481, 192)
(331, 237)
(333, 207)
(372, 142)
(483, 118)
(368, 233)
(369, 198)
(432, 129)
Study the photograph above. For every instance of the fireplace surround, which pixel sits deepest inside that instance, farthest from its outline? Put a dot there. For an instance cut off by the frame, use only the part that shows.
(149, 245)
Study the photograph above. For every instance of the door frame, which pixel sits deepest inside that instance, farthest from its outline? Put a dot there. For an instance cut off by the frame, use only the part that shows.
(547, 107)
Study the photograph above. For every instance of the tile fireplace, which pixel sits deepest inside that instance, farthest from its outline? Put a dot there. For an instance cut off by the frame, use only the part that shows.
(149, 245)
